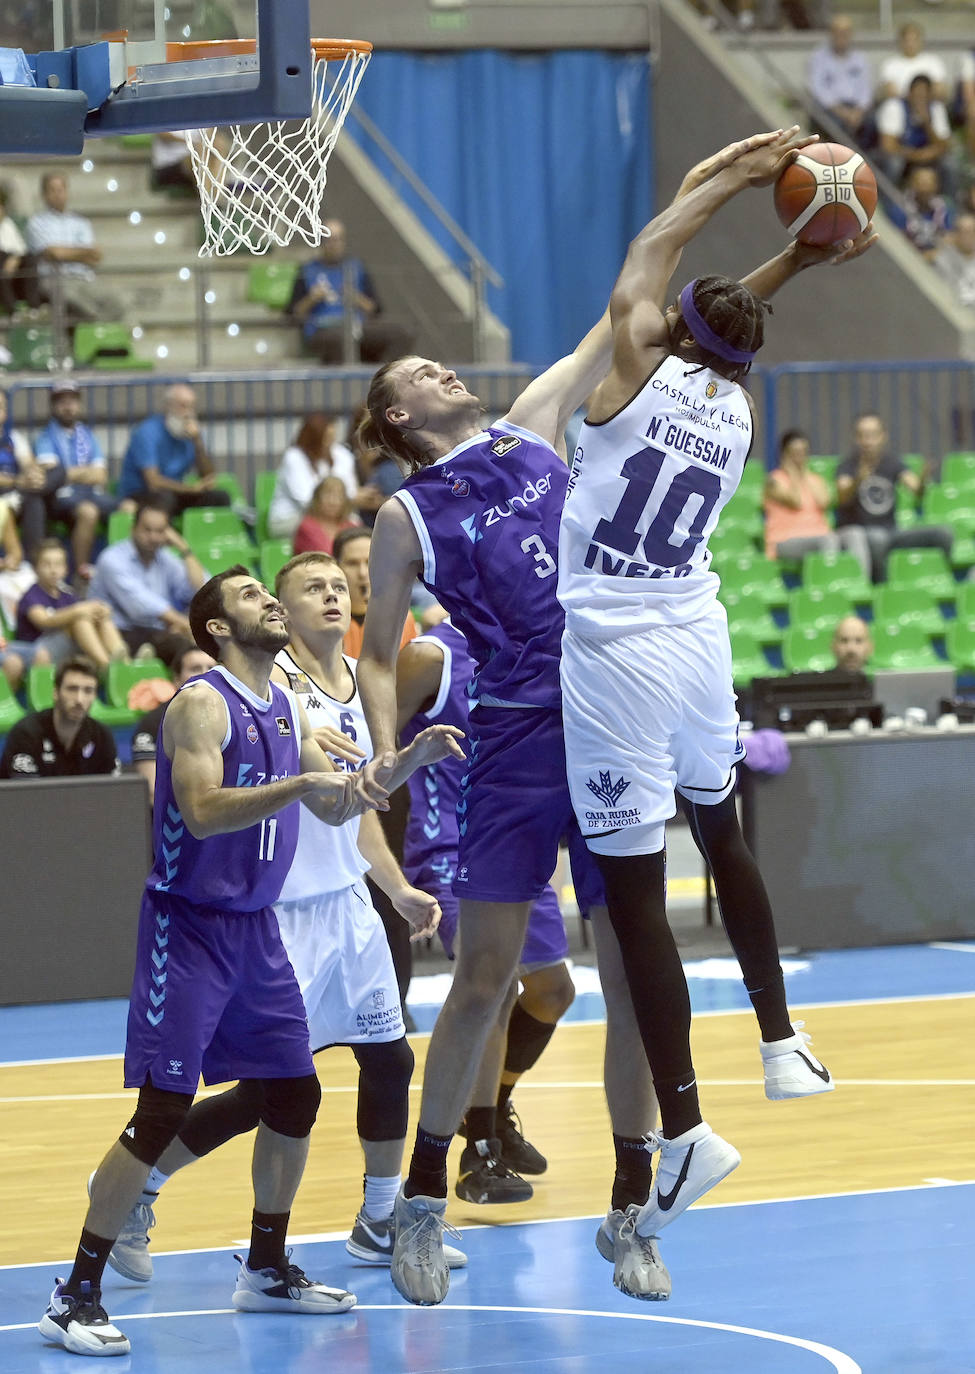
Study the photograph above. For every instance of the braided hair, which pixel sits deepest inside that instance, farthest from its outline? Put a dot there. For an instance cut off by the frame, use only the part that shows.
(732, 311)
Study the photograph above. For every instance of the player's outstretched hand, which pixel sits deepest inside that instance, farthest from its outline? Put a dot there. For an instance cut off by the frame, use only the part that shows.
(808, 255)
(761, 165)
(335, 743)
(373, 781)
(336, 795)
(419, 910)
(434, 743)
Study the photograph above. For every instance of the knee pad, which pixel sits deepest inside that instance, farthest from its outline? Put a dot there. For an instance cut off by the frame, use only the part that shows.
(385, 1071)
(156, 1123)
(215, 1120)
(291, 1105)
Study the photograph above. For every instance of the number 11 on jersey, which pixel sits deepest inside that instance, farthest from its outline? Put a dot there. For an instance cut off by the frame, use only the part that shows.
(267, 839)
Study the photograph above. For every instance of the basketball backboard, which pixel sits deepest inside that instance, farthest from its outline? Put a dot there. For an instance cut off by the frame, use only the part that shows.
(109, 67)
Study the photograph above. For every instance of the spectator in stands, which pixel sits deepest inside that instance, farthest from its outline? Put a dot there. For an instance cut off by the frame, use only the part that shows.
(16, 575)
(149, 580)
(63, 741)
(51, 616)
(24, 483)
(897, 73)
(328, 286)
(351, 552)
(955, 260)
(329, 513)
(187, 661)
(81, 499)
(963, 106)
(18, 269)
(913, 130)
(169, 161)
(852, 646)
(164, 450)
(841, 82)
(926, 217)
(796, 502)
(866, 495)
(65, 248)
(316, 453)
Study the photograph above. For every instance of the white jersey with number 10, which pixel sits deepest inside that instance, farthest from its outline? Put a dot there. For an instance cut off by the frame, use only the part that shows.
(646, 489)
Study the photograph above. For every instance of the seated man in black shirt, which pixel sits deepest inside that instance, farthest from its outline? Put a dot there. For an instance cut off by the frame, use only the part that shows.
(188, 661)
(866, 495)
(63, 742)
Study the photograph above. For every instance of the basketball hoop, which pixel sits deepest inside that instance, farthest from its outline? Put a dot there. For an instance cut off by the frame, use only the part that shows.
(261, 185)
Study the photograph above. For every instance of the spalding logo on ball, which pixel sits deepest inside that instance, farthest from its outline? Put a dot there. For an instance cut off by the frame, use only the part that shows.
(828, 194)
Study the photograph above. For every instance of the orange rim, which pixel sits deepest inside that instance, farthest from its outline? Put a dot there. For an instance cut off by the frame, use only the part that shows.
(327, 48)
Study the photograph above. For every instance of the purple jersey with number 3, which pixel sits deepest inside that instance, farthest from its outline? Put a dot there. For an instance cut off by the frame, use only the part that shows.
(487, 518)
(244, 870)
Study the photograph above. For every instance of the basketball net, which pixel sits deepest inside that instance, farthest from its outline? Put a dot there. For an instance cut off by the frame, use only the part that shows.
(262, 185)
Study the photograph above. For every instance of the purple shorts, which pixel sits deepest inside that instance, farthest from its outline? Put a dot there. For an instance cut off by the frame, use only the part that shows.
(213, 993)
(545, 939)
(514, 805)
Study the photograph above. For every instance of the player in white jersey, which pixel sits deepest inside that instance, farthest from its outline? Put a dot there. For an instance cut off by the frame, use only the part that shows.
(333, 935)
(646, 663)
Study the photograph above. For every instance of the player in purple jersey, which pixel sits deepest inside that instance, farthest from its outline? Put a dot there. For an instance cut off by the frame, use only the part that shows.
(478, 519)
(651, 646)
(214, 992)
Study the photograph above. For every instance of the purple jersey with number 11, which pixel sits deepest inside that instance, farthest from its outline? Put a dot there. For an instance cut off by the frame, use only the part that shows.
(487, 519)
(243, 870)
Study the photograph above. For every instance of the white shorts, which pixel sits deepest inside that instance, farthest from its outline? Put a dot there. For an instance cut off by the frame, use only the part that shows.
(339, 952)
(645, 714)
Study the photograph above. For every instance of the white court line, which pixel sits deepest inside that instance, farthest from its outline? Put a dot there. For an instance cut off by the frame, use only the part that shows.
(842, 1363)
(958, 949)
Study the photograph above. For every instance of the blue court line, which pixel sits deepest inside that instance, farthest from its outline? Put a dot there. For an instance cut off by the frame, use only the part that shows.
(88, 1029)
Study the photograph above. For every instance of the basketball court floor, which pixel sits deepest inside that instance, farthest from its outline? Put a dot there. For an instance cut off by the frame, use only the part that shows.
(844, 1241)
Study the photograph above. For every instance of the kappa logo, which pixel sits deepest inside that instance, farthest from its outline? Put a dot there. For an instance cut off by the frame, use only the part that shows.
(711, 390)
(284, 725)
(252, 734)
(243, 709)
(176, 1066)
(606, 790)
(461, 487)
(502, 447)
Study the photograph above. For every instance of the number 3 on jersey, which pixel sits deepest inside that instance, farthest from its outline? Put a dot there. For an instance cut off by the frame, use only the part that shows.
(640, 472)
(544, 560)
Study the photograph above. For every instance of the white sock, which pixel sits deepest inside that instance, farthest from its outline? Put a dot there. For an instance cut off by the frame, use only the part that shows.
(380, 1195)
(154, 1182)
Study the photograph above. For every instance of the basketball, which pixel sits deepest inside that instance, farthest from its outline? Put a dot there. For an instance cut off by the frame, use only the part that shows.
(827, 194)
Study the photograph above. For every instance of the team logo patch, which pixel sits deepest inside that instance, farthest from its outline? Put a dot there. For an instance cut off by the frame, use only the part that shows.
(502, 447)
(176, 1066)
(243, 709)
(461, 487)
(606, 790)
(252, 734)
(284, 725)
(711, 390)
(379, 999)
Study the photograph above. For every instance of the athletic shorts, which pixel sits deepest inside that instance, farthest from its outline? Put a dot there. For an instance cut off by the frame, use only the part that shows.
(213, 994)
(546, 942)
(644, 714)
(514, 805)
(340, 954)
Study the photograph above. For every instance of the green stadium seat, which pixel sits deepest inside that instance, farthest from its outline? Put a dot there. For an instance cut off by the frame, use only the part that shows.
(224, 552)
(212, 525)
(750, 616)
(40, 686)
(271, 284)
(902, 646)
(747, 659)
(273, 556)
(927, 568)
(962, 556)
(226, 481)
(946, 503)
(965, 601)
(119, 526)
(107, 347)
(824, 465)
(909, 606)
(960, 643)
(10, 708)
(807, 649)
(906, 506)
(264, 484)
(915, 461)
(958, 469)
(839, 571)
(31, 348)
(753, 573)
(819, 607)
(122, 677)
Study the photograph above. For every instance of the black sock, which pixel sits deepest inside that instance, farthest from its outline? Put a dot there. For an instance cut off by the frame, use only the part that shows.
(771, 1009)
(504, 1097)
(481, 1124)
(428, 1167)
(269, 1231)
(633, 1164)
(89, 1262)
(679, 1107)
(527, 1038)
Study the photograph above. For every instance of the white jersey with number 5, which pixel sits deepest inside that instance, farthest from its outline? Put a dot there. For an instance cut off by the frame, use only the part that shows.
(646, 489)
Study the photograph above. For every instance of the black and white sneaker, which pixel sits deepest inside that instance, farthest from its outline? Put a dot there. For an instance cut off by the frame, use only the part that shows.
(791, 1068)
(286, 1289)
(81, 1324)
(690, 1165)
(372, 1242)
(517, 1152)
(485, 1178)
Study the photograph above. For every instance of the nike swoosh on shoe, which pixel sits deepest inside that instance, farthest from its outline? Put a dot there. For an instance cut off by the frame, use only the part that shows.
(666, 1200)
(817, 1069)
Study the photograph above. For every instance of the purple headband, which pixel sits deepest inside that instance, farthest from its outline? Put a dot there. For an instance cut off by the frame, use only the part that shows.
(705, 335)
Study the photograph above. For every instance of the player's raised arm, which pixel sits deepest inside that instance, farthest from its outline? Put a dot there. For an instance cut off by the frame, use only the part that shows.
(774, 274)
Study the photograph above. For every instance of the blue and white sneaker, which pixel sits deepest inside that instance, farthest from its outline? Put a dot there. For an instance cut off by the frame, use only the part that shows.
(690, 1165)
(286, 1289)
(372, 1241)
(791, 1068)
(81, 1324)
